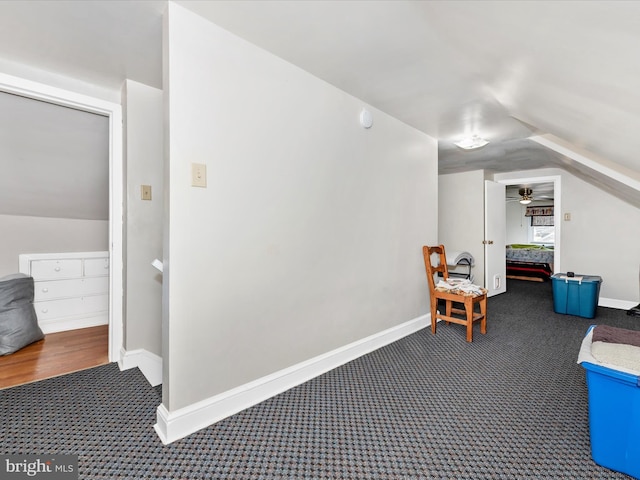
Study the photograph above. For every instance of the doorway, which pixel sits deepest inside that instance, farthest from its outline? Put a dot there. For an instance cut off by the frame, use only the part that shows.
(548, 187)
(113, 112)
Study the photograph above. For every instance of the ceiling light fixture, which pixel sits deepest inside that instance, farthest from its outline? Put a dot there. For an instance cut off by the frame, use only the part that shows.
(525, 193)
(472, 142)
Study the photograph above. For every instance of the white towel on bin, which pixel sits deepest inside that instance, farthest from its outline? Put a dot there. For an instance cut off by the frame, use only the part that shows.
(585, 355)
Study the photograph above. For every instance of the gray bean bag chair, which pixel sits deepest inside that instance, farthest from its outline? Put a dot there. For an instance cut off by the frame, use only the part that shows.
(18, 321)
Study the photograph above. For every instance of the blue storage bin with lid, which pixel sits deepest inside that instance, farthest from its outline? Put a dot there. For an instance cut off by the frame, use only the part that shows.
(577, 295)
(614, 415)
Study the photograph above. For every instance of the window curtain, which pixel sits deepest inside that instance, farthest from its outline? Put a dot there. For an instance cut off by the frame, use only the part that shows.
(540, 216)
(539, 212)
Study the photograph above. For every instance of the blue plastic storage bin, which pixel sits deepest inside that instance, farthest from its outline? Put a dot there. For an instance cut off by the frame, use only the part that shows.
(614, 418)
(576, 296)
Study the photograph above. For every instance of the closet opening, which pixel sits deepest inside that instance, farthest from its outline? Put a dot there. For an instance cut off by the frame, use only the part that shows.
(61, 159)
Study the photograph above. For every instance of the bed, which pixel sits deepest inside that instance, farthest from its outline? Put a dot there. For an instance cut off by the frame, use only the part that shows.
(529, 262)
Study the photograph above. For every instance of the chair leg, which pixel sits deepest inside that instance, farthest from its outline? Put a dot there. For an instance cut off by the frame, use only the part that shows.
(434, 314)
(483, 311)
(449, 305)
(468, 307)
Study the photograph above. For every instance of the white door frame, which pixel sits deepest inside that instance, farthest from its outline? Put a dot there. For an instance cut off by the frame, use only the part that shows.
(113, 112)
(557, 209)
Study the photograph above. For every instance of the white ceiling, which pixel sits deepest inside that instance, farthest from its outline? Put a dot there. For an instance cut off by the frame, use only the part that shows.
(100, 42)
(505, 70)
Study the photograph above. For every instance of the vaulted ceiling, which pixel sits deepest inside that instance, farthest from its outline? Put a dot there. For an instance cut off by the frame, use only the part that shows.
(547, 83)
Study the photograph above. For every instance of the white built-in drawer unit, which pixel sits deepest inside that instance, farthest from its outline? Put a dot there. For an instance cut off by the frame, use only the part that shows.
(71, 289)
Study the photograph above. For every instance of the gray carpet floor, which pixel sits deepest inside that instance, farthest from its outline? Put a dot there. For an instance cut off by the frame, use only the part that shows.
(511, 405)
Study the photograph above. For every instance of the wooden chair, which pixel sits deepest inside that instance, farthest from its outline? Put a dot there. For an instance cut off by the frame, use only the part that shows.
(468, 300)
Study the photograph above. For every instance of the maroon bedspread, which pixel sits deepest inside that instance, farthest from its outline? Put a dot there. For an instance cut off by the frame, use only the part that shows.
(529, 269)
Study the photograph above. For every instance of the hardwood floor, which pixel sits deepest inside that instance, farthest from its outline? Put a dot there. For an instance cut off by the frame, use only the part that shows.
(57, 354)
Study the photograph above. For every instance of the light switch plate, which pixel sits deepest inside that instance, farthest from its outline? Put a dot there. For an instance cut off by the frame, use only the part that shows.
(145, 191)
(198, 175)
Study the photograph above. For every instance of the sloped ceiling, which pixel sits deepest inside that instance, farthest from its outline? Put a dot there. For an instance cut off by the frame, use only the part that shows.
(504, 70)
(508, 71)
(54, 160)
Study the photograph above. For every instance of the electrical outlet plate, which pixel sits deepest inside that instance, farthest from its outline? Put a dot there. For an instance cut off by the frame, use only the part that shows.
(198, 175)
(145, 191)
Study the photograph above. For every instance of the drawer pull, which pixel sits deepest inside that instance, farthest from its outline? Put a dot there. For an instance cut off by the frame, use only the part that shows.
(45, 290)
(57, 269)
(45, 310)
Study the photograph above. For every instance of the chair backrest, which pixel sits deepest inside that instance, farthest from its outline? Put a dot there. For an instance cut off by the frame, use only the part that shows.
(440, 267)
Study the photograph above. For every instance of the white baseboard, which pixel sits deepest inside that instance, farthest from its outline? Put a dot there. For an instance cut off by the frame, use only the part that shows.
(614, 303)
(179, 423)
(149, 364)
(64, 324)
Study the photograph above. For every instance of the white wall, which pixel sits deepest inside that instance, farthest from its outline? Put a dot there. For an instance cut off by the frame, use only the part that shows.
(461, 216)
(309, 233)
(517, 223)
(143, 117)
(22, 234)
(602, 236)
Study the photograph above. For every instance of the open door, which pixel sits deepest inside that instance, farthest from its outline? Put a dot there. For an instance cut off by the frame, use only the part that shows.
(495, 267)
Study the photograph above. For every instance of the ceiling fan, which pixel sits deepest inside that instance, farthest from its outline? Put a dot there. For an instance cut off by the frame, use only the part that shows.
(526, 196)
